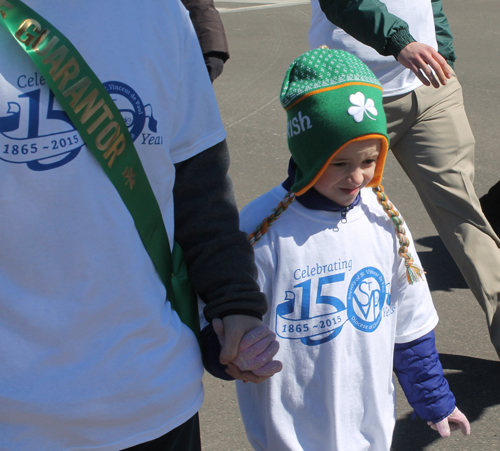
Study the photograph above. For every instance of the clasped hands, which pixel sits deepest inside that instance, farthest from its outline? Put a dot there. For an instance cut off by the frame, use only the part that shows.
(248, 348)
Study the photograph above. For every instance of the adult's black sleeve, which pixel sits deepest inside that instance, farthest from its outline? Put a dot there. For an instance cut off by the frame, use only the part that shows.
(219, 257)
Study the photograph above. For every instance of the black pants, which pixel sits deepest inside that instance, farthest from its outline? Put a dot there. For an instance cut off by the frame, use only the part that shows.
(186, 437)
(490, 203)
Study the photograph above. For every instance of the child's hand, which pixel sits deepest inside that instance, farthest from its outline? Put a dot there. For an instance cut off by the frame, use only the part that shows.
(245, 376)
(451, 423)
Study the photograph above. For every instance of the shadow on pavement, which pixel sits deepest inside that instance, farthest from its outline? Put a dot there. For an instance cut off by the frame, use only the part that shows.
(441, 270)
(472, 381)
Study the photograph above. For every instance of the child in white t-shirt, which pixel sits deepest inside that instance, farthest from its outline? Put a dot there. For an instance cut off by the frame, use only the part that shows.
(346, 295)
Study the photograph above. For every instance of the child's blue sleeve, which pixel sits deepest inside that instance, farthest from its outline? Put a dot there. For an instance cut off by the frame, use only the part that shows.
(210, 351)
(420, 374)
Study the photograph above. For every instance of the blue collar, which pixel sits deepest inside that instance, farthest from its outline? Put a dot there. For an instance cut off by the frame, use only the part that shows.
(314, 200)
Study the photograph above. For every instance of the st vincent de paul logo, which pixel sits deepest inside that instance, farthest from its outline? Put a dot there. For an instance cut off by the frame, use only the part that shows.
(366, 297)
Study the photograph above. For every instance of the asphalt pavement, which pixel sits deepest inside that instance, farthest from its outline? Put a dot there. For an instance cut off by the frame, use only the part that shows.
(264, 38)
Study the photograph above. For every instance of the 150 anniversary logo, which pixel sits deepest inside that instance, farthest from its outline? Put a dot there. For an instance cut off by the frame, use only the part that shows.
(35, 131)
(314, 316)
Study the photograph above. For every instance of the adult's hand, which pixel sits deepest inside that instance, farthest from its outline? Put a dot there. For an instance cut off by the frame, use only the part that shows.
(422, 59)
(456, 420)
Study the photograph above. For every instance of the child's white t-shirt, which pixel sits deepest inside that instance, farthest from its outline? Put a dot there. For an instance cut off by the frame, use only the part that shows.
(338, 301)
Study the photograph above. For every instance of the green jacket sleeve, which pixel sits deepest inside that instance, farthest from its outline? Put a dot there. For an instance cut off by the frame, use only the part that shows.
(369, 22)
(443, 33)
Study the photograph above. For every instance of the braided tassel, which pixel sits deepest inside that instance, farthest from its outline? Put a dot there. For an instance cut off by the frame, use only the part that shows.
(268, 222)
(413, 272)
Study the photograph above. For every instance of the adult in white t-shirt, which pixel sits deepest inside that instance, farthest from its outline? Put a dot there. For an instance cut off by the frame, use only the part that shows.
(403, 41)
(93, 357)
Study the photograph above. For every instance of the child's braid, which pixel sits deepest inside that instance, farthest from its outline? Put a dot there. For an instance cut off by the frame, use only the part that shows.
(268, 222)
(413, 272)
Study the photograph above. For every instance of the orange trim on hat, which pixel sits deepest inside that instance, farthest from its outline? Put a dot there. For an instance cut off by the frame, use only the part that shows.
(379, 168)
(331, 88)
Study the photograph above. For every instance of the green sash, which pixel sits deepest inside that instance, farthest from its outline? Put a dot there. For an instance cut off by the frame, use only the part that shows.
(101, 125)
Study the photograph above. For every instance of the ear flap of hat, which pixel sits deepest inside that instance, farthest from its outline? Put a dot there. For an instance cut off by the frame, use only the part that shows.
(379, 168)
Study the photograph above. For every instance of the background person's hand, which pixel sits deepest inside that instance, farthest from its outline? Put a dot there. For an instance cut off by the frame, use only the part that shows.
(215, 66)
(426, 63)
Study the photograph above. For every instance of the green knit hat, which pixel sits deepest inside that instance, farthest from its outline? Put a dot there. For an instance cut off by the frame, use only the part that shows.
(331, 99)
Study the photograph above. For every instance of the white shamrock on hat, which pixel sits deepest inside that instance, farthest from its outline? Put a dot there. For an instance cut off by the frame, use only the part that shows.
(361, 107)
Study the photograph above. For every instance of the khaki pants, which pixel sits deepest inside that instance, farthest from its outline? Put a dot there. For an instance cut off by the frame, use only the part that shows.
(433, 142)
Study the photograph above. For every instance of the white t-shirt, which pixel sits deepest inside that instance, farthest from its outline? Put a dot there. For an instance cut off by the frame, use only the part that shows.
(92, 356)
(338, 301)
(395, 78)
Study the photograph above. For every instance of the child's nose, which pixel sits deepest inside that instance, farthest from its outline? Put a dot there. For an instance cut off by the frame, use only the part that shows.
(357, 176)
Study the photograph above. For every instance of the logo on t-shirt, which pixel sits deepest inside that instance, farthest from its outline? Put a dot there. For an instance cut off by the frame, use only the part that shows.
(314, 313)
(366, 297)
(35, 131)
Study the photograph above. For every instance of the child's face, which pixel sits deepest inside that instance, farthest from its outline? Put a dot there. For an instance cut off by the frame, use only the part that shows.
(349, 171)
